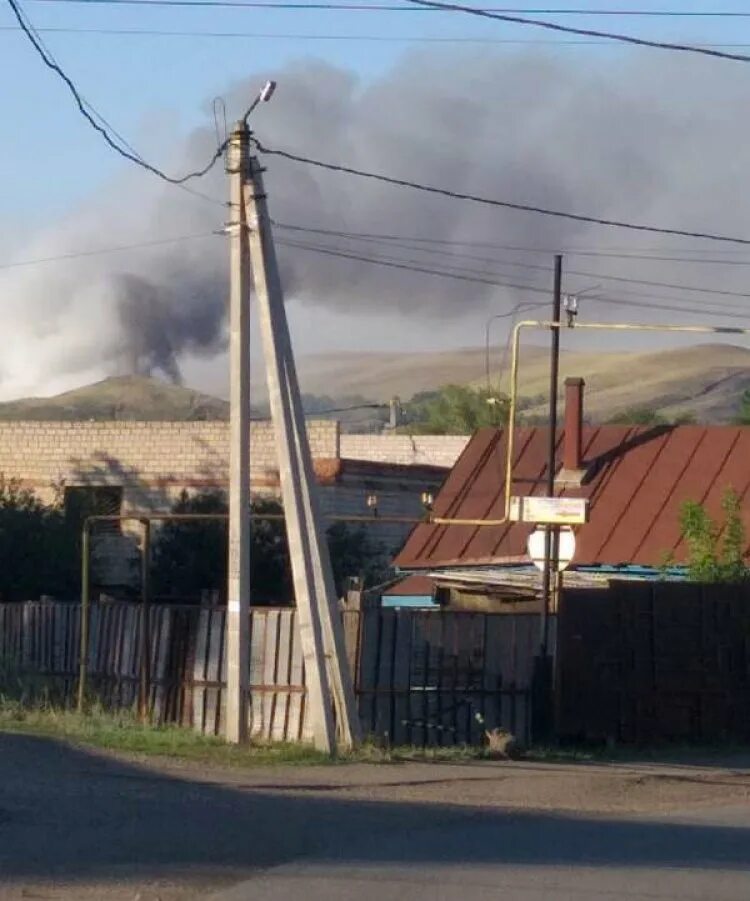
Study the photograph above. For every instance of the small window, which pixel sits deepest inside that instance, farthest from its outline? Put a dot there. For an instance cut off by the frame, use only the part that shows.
(82, 501)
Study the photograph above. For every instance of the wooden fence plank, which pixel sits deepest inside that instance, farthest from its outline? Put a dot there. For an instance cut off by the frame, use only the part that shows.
(425, 677)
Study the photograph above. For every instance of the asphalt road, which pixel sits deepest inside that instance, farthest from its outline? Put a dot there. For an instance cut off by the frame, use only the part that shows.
(78, 825)
(527, 857)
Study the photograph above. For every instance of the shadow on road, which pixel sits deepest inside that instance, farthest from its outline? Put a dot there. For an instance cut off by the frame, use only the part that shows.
(72, 815)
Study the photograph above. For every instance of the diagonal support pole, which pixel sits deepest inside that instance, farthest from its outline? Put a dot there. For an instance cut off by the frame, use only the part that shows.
(321, 629)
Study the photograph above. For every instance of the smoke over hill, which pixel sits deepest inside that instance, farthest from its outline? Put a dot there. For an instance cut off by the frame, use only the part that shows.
(645, 137)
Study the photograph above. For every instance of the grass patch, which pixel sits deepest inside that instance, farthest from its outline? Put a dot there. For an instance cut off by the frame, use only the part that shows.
(122, 732)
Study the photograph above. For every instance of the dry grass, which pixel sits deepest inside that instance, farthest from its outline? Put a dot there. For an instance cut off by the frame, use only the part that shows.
(706, 379)
(121, 732)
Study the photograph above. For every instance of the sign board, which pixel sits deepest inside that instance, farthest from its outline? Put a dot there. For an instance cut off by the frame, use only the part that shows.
(566, 547)
(554, 511)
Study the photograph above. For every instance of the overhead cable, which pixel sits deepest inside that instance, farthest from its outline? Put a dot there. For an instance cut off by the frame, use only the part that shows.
(103, 130)
(581, 32)
(647, 254)
(488, 201)
(74, 255)
(375, 7)
(537, 267)
(663, 303)
(317, 36)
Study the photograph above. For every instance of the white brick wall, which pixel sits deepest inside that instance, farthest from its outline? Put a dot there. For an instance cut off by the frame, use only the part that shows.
(147, 458)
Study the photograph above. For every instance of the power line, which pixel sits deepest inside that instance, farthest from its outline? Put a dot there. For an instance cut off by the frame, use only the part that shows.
(582, 32)
(388, 238)
(439, 251)
(351, 409)
(669, 308)
(104, 131)
(105, 250)
(666, 303)
(411, 266)
(487, 201)
(647, 254)
(379, 7)
(306, 36)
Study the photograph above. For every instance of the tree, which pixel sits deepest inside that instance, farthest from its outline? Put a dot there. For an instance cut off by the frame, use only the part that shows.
(189, 557)
(353, 553)
(743, 414)
(39, 546)
(456, 410)
(711, 557)
(649, 416)
(192, 556)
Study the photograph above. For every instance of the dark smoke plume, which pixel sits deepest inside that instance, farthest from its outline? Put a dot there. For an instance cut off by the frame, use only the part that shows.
(640, 136)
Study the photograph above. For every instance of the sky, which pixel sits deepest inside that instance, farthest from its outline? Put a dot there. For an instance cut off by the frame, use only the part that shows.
(156, 90)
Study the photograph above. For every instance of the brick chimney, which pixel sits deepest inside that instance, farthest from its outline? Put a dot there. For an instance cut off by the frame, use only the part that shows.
(573, 471)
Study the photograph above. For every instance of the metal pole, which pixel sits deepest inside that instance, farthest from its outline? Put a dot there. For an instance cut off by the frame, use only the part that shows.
(550, 564)
(487, 352)
(144, 687)
(85, 589)
(238, 595)
(487, 367)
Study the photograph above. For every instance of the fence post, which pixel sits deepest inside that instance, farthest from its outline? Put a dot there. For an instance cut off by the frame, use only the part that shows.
(85, 600)
(144, 686)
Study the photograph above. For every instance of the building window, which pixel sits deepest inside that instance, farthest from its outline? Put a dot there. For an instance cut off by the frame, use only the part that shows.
(82, 501)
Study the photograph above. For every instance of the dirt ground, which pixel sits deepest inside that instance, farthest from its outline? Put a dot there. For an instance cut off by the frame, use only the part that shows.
(87, 825)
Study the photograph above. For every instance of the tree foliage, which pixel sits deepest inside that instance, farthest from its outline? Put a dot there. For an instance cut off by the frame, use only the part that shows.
(39, 546)
(743, 413)
(649, 416)
(716, 553)
(456, 410)
(190, 557)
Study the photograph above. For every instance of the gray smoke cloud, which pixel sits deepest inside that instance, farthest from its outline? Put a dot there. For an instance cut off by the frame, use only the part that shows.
(641, 136)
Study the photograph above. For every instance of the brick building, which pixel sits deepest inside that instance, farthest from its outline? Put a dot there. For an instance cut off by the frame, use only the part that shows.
(122, 467)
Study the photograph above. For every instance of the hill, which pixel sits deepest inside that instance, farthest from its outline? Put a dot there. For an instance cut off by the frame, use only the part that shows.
(119, 397)
(381, 376)
(707, 380)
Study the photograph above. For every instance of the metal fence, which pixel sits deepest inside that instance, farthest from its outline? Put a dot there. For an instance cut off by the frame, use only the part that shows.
(421, 677)
(648, 662)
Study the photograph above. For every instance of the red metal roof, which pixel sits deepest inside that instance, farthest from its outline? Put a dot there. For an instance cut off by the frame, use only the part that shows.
(411, 586)
(637, 481)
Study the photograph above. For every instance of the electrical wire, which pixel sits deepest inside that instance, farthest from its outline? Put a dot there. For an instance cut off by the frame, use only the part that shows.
(105, 250)
(663, 303)
(646, 254)
(351, 409)
(520, 265)
(102, 130)
(269, 4)
(581, 32)
(306, 36)
(487, 201)
(310, 414)
(411, 267)
(668, 308)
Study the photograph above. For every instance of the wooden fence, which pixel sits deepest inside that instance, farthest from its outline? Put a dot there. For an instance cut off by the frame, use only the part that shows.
(649, 662)
(421, 677)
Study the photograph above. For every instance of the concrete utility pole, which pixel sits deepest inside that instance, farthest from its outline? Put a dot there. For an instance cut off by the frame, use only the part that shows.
(238, 587)
(321, 629)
